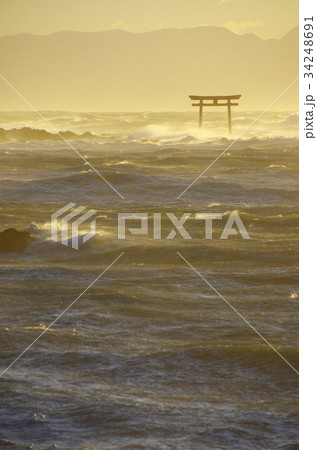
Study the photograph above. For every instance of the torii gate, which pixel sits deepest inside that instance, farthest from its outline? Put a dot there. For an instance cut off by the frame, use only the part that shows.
(217, 100)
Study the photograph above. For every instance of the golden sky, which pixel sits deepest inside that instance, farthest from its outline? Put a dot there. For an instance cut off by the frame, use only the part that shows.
(266, 18)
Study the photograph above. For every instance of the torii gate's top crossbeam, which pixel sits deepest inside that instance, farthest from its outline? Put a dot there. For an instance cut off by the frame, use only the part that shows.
(215, 100)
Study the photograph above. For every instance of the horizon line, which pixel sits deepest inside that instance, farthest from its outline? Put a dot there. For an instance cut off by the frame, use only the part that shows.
(147, 32)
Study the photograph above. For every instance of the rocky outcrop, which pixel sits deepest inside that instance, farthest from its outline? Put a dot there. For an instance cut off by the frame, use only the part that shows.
(12, 240)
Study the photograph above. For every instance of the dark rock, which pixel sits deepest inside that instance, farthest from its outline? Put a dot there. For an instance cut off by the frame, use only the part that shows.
(12, 240)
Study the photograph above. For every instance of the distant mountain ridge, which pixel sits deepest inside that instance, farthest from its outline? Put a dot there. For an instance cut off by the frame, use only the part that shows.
(157, 70)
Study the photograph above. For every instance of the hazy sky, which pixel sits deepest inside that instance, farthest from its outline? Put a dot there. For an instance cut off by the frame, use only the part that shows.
(266, 18)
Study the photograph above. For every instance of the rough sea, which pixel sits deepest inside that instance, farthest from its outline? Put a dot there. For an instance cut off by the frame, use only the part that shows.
(151, 356)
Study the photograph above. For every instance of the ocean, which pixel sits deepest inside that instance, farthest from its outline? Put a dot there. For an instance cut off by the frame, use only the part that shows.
(150, 356)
